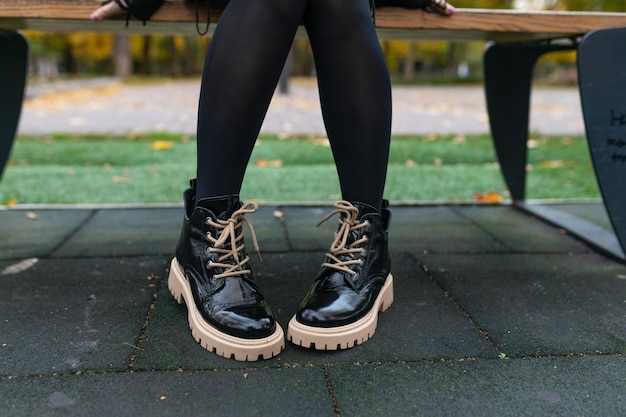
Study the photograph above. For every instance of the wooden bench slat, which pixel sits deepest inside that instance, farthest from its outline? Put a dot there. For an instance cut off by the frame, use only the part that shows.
(393, 23)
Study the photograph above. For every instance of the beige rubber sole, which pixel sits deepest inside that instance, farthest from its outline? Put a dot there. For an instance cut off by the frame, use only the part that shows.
(212, 339)
(343, 337)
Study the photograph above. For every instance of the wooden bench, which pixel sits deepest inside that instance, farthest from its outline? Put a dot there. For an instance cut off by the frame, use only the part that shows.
(516, 39)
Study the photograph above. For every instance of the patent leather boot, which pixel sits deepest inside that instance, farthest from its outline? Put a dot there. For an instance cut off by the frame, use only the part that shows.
(354, 284)
(211, 274)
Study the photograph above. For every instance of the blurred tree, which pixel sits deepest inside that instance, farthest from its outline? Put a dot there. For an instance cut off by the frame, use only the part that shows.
(122, 59)
(591, 5)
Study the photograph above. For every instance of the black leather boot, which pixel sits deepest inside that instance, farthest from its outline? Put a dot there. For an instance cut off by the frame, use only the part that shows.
(355, 283)
(211, 274)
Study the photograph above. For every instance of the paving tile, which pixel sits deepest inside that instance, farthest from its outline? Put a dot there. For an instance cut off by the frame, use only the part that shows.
(303, 230)
(34, 233)
(132, 232)
(126, 232)
(540, 305)
(580, 386)
(439, 229)
(519, 231)
(422, 322)
(254, 392)
(268, 223)
(428, 229)
(74, 315)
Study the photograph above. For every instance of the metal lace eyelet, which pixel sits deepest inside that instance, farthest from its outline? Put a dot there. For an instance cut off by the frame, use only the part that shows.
(209, 235)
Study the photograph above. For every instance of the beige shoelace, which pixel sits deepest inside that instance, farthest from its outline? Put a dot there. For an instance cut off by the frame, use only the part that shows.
(228, 232)
(348, 222)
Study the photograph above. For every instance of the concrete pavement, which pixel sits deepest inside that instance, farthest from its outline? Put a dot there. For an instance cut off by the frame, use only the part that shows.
(107, 106)
(495, 314)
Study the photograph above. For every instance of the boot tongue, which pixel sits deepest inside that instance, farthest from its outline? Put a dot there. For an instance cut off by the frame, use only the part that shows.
(222, 207)
(364, 209)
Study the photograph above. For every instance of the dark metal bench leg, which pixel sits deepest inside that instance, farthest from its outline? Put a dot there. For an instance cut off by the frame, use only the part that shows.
(508, 70)
(602, 80)
(13, 69)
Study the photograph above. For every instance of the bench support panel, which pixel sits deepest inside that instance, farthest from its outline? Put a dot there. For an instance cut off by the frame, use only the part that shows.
(508, 70)
(602, 79)
(13, 70)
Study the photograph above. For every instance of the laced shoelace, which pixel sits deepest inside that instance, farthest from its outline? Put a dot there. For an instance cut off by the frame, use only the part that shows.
(230, 256)
(342, 253)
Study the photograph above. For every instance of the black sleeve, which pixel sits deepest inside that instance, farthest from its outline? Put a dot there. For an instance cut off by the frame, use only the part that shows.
(407, 4)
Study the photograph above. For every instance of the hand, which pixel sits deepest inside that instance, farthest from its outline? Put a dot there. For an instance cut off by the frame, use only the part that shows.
(106, 11)
(441, 7)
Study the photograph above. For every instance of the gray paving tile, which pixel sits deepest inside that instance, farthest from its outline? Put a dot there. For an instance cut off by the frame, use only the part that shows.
(74, 315)
(131, 232)
(421, 324)
(268, 223)
(255, 392)
(519, 231)
(34, 233)
(439, 229)
(428, 229)
(580, 386)
(540, 305)
(126, 232)
(303, 230)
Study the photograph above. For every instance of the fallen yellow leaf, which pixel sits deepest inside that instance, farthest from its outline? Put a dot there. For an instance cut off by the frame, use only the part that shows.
(490, 197)
(122, 180)
(556, 164)
(162, 145)
(264, 163)
(458, 139)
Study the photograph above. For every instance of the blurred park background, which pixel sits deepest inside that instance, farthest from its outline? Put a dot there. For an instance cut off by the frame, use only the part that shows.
(153, 166)
(90, 54)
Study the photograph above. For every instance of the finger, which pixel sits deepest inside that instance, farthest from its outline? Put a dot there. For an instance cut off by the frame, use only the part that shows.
(107, 11)
(441, 7)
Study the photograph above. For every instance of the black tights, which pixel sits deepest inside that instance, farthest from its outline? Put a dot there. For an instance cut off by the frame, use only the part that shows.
(242, 68)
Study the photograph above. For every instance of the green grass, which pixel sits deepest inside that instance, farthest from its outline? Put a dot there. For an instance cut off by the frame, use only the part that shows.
(105, 169)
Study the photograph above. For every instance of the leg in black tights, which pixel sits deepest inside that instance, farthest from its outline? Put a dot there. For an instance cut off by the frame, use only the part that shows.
(242, 68)
(355, 94)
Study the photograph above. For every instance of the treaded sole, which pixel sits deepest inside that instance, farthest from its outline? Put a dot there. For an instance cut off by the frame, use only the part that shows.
(342, 337)
(212, 339)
